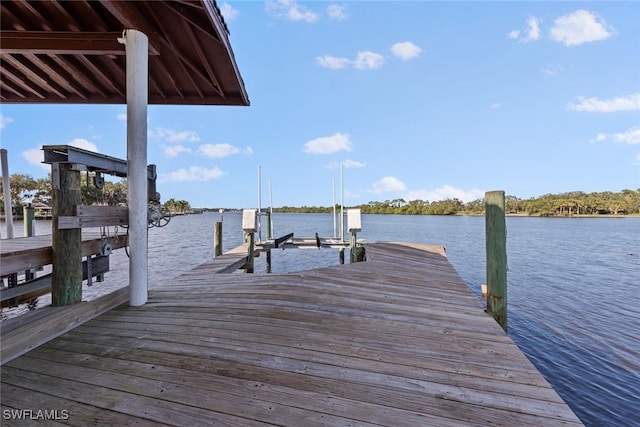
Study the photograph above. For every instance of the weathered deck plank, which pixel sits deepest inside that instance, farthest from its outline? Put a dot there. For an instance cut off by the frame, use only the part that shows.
(397, 340)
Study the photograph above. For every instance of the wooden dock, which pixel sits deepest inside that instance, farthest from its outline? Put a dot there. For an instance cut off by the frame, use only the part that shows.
(398, 340)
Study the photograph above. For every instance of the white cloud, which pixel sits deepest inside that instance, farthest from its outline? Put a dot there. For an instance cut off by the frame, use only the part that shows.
(551, 70)
(333, 62)
(347, 164)
(531, 33)
(630, 136)
(122, 116)
(35, 156)
(336, 12)
(388, 184)
(406, 50)
(599, 138)
(248, 150)
(514, 34)
(84, 144)
(291, 10)
(4, 121)
(580, 27)
(624, 103)
(228, 12)
(175, 150)
(194, 173)
(329, 144)
(496, 105)
(172, 135)
(218, 150)
(445, 192)
(364, 60)
(368, 60)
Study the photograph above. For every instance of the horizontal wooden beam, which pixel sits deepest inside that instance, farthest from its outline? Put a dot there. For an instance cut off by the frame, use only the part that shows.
(32, 252)
(61, 42)
(95, 216)
(65, 43)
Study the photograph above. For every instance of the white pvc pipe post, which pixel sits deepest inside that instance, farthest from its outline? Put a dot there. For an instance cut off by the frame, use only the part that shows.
(335, 229)
(6, 187)
(137, 49)
(342, 203)
(259, 203)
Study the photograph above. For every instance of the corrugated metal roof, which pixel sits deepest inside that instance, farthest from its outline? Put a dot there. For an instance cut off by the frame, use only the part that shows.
(67, 52)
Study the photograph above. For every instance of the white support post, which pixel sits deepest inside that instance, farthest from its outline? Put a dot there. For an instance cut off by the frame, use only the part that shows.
(137, 49)
(342, 203)
(6, 187)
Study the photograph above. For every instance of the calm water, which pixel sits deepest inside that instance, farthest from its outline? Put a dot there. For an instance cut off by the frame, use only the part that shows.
(574, 304)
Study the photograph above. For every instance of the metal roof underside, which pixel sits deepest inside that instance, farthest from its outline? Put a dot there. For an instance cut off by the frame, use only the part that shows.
(67, 52)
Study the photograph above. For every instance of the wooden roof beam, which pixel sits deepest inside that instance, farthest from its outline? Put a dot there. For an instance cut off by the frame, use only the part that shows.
(61, 42)
(128, 13)
(203, 58)
(195, 18)
(55, 75)
(76, 74)
(5, 87)
(96, 71)
(19, 82)
(34, 76)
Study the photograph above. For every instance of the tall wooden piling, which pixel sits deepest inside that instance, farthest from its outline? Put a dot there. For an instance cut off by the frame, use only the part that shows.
(66, 285)
(29, 214)
(353, 242)
(249, 227)
(251, 238)
(496, 247)
(217, 238)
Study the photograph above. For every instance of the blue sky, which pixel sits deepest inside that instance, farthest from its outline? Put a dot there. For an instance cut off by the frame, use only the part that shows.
(418, 100)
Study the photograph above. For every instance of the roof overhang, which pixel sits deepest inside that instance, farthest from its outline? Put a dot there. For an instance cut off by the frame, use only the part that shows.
(68, 52)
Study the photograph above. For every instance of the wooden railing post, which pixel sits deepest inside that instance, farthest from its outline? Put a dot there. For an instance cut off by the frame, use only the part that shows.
(496, 247)
(66, 286)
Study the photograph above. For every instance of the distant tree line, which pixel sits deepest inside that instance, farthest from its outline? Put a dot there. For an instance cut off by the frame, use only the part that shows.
(625, 202)
(26, 189)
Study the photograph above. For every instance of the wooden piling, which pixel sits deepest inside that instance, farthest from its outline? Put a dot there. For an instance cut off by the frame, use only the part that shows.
(217, 238)
(250, 252)
(496, 251)
(268, 260)
(66, 287)
(29, 214)
(352, 247)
